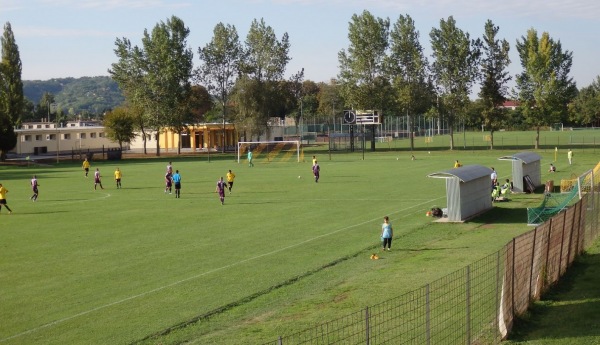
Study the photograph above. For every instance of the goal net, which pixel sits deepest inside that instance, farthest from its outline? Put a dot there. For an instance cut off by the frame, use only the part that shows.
(269, 151)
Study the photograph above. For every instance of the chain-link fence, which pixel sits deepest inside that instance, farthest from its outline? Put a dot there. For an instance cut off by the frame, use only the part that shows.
(477, 304)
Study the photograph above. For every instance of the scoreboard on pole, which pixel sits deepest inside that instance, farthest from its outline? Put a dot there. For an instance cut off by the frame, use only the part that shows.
(362, 117)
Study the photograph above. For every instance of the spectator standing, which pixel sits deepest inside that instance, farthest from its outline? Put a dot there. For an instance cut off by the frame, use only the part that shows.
(387, 232)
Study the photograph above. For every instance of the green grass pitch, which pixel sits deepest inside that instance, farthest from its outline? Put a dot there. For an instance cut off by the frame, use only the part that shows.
(118, 266)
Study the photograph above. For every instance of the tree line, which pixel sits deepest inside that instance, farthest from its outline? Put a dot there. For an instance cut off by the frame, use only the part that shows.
(383, 68)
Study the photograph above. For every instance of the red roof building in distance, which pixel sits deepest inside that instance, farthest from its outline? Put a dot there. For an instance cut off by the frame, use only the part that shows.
(508, 104)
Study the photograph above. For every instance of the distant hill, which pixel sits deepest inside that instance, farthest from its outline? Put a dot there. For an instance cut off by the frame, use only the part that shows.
(86, 95)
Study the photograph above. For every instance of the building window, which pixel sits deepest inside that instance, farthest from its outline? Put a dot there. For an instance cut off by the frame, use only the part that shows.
(47, 126)
(38, 137)
(92, 135)
(27, 137)
(101, 134)
(67, 136)
(51, 137)
(81, 135)
(39, 126)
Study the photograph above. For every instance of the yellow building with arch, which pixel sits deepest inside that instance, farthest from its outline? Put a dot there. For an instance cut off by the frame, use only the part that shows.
(195, 138)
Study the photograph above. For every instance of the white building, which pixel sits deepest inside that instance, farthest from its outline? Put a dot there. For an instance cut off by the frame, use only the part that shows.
(45, 137)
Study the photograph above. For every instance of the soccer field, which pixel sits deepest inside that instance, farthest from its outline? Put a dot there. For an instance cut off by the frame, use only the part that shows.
(117, 266)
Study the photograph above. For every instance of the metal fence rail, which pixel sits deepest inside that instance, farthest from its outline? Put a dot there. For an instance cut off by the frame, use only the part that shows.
(477, 304)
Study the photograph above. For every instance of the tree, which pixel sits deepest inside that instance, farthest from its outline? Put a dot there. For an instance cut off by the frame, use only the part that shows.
(11, 91)
(200, 103)
(455, 68)
(585, 108)
(297, 93)
(407, 68)
(264, 66)
(156, 78)
(544, 87)
(362, 79)
(330, 101)
(222, 58)
(44, 108)
(119, 124)
(493, 90)
(362, 63)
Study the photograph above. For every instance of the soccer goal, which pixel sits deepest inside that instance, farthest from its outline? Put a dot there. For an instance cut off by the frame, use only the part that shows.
(269, 150)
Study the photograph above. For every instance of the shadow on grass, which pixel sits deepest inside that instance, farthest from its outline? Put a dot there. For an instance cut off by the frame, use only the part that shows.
(568, 311)
(503, 215)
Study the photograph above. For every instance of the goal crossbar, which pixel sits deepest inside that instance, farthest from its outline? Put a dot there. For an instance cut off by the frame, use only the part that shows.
(241, 144)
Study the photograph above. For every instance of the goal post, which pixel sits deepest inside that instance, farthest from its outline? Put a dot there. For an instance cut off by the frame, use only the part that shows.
(269, 150)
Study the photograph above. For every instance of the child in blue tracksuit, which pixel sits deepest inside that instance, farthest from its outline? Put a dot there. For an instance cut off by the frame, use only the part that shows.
(387, 233)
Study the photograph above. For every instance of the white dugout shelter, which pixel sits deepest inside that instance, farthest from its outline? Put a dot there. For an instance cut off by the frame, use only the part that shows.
(468, 191)
(525, 164)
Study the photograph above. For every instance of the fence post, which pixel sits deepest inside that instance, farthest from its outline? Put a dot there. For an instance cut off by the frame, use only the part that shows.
(548, 250)
(367, 326)
(577, 205)
(532, 259)
(427, 315)
(468, 304)
(579, 227)
(280, 341)
(498, 297)
(562, 243)
(512, 283)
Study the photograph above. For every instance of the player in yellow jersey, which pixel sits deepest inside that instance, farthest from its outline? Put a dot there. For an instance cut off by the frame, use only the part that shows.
(3, 192)
(118, 176)
(86, 167)
(230, 177)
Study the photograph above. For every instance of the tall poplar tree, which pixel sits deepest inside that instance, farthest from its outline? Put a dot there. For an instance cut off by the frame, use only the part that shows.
(221, 60)
(362, 64)
(544, 87)
(363, 82)
(408, 69)
(11, 91)
(455, 68)
(264, 67)
(494, 62)
(157, 76)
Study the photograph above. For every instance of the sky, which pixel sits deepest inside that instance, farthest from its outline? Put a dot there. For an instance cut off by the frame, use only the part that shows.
(76, 38)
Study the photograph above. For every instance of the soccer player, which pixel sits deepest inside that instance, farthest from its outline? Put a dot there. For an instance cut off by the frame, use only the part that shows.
(316, 171)
(168, 182)
(34, 188)
(3, 192)
(118, 176)
(97, 180)
(177, 179)
(250, 164)
(230, 177)
(170, 168)
(86, 167)
(314, 160)
(221, 190)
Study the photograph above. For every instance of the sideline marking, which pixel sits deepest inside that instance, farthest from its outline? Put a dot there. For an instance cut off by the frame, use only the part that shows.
(56, 322)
